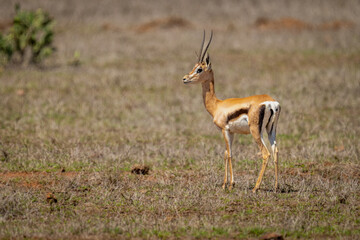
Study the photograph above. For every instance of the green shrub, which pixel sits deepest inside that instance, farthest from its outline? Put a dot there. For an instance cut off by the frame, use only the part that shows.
(30, 37)
(6, 48)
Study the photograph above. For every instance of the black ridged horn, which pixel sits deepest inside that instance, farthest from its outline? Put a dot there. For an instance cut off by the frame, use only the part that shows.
(201, 47)
(202, 57)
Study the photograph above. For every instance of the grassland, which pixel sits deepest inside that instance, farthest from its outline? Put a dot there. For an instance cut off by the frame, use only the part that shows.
(112, 97)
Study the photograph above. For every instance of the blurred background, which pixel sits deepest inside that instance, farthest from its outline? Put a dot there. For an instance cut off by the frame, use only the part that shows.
(111, 96)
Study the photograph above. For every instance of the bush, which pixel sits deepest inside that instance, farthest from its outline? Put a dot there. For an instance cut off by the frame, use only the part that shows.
(30, 37)
(5, 46)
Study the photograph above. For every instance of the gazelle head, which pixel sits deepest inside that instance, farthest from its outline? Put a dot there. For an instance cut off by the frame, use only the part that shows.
(202, 69)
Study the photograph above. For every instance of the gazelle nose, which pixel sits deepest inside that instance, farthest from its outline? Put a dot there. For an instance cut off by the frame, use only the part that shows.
(184, 79)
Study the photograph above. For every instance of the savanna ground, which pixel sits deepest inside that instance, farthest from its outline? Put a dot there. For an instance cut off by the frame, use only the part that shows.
(112, 97)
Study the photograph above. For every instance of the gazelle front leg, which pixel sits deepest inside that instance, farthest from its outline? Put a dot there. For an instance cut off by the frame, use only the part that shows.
(226, 170)
(228, 136)
(232, 183)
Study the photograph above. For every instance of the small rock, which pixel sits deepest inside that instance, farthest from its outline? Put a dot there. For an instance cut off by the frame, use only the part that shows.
(50, 198)
(141, 170)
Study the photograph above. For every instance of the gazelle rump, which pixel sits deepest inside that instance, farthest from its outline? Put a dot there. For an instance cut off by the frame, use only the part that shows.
(250, 115)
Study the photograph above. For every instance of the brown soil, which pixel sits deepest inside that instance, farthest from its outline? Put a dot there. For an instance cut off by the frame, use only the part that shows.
(336, 25)
(110, 27)
(163, 23)
(35, 180)
(271, 236)
(5, 24)
(281, 24)
(294, 24)
(42, 180)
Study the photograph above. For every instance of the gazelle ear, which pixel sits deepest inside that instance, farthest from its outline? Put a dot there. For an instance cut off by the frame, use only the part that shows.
(208, 63)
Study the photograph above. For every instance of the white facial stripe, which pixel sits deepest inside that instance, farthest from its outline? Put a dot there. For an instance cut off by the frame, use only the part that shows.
(194, 72)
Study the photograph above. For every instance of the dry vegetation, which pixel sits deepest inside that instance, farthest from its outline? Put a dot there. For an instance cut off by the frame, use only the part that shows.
(104, 141)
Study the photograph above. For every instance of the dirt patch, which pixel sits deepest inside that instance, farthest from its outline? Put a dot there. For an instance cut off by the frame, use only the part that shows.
(163, 23)
(5, 24)
(294, 24)
(34, 180)
(271, 236)
(12, 175)
(110, 27)
(9, 175)
(336, 25)
(287, 23)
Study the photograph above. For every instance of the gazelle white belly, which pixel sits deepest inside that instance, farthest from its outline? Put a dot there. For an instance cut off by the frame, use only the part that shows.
(239, 125)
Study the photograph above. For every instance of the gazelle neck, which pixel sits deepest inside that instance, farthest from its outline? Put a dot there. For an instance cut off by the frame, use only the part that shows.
(209, 96)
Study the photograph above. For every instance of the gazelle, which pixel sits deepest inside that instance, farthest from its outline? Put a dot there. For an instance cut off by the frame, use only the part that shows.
(254, 114)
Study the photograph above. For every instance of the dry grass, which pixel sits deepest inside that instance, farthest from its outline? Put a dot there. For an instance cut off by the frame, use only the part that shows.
(71, 134)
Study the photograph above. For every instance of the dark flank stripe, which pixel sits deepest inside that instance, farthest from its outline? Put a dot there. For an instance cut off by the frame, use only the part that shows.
(236, 114)
(272, 126)
(261, 117)
(271, 113)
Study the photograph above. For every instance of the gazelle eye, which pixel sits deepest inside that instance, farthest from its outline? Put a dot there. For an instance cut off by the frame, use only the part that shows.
(199, 70)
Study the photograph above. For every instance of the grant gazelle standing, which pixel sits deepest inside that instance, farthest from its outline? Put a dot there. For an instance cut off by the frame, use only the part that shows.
(251, 115)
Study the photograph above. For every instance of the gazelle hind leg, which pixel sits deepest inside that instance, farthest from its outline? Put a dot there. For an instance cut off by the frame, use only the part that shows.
(265, 155)
(275, 152)
(257, 128)
(272, 140)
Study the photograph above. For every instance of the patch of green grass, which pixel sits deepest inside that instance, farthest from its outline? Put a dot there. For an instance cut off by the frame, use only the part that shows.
(161, 234)
(246, 140)
(288, 140)
(217, 137)
(255, 231)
